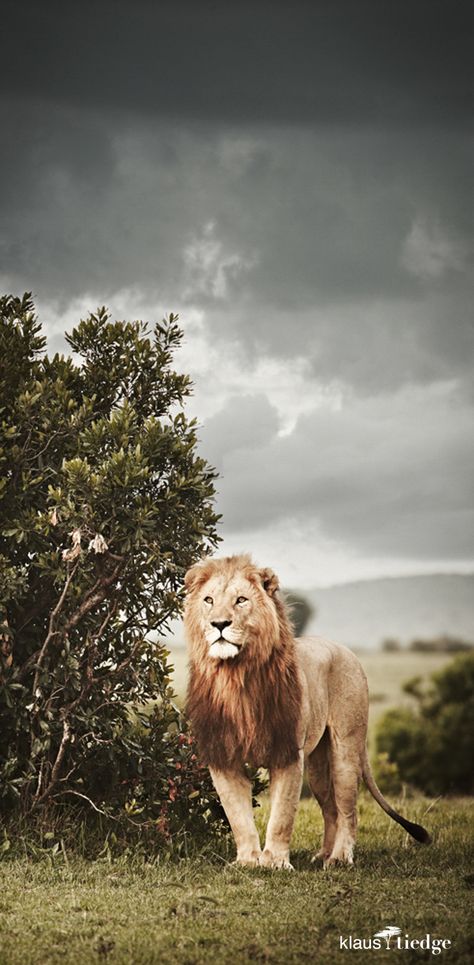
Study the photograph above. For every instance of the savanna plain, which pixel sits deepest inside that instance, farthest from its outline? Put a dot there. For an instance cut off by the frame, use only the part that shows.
(197, 907)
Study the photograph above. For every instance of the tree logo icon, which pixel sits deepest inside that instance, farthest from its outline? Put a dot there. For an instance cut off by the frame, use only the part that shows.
(387, 933)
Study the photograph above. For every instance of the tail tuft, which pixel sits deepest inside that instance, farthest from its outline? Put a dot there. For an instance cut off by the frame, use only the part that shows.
(416, 830)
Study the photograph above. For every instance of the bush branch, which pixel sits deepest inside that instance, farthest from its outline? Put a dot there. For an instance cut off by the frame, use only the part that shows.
(51, 631)
(56, 771)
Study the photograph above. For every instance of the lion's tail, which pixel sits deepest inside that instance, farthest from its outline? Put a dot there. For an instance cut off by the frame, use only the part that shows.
(416, 830)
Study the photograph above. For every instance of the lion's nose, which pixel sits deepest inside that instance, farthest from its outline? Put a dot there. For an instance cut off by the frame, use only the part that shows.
(220, 625)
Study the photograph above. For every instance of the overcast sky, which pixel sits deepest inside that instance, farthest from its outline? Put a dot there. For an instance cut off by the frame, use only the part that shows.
(295, 179)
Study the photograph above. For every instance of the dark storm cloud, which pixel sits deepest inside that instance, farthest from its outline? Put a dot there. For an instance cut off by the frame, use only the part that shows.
(329, 212)
(332, 60)
(390, 476)
(374, 345)
(291, 241)
(126, 124)
(245, 422)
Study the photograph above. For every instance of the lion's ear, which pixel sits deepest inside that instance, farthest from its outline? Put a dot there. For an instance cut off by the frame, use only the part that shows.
(270, 581)
(193, 577)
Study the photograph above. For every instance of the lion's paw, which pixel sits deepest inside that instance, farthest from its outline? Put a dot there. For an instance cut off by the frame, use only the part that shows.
(270, 860)
(320, 856)
(251, 860)
(339, 859)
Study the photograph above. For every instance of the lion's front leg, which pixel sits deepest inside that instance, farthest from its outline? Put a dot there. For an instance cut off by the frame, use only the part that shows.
(285, 790)
(235, 792)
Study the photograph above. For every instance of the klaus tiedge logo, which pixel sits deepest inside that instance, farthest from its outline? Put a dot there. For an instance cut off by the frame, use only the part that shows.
(390, 938)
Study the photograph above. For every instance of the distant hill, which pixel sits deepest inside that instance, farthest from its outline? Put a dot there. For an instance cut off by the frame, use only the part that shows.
(362, 614)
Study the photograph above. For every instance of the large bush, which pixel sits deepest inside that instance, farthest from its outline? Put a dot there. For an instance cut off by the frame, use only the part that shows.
(432, 744)
(104, 503)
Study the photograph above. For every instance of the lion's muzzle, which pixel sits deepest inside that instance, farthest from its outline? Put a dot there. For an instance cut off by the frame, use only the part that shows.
(223, 650)
(224, 639)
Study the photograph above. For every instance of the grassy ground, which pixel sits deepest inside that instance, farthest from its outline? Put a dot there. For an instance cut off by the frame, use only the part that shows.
(125, 911)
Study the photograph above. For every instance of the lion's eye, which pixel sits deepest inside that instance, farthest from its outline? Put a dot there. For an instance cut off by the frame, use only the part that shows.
(242, 599)
(209, 600)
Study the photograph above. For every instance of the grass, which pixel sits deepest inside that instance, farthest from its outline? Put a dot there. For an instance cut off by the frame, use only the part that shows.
(60, 908)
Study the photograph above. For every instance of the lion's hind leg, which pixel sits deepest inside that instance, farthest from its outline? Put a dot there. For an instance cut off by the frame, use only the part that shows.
(320, 782)
(346, 769)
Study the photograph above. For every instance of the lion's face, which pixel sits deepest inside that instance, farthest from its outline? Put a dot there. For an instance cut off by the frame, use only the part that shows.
(228, 605)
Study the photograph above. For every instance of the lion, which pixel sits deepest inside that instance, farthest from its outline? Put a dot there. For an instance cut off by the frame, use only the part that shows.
(257, 695)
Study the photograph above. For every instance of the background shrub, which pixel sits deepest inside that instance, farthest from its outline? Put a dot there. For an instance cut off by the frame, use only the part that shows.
(432, 744)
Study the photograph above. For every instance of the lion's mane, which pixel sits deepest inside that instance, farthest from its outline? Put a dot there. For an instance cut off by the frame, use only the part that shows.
(244, 710)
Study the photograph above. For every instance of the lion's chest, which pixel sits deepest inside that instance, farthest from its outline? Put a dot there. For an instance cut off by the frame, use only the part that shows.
(254, 731)
(252, 718)
(246, 727)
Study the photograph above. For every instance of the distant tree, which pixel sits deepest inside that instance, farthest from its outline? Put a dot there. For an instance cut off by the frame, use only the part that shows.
(432, 744)
(391, 645)
(301, 610)
(104, 503)
(442, 644)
